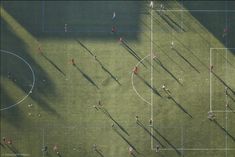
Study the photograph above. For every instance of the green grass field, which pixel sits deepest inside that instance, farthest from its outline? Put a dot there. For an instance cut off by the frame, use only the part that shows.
(47, 101)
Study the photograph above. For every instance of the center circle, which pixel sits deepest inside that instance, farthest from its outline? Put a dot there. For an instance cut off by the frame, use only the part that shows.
(10, 71)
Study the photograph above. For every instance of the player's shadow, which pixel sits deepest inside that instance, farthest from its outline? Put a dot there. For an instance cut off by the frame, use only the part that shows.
(189, 63)
(14, 150)
(86, 76)
(102, 66)
(154, 137)
(169, 23)
(132, 52)
(222, 81)
(157, 60)
(99, 152)
(230, 96)
(229, 107)
(167, 141)
(146, 83)
(181, 107)
(53, 64)
(107, 71)
(175, 23)
(116, 131)
(81, 44)
(189, 50)
(105, 112)
(223, 129)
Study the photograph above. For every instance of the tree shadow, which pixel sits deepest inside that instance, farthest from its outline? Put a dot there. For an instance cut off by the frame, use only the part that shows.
(146, 83)
(86, 76)
(24, 81)
(186, 60)
(181, 107)
(207, 19)
(46, 19)
(157, 60)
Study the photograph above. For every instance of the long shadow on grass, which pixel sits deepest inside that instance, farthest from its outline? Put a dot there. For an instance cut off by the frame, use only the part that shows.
(146, 83)
(102, 66)
(181, 107)
(155, 138)
(177, 151)
(131, 51)
(188, 50)
(186, 60)
(105, 111)
(168, 17)
(115, 130)
(231, 97)
(52, 63)
(223, 129)
(106, 70)
(86, 76)
(14, 150)
(222, 81)
(157, 60)
(99, 152)
(89, 51)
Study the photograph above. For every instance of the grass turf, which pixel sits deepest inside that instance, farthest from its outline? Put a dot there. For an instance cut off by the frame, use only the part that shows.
(64, 95)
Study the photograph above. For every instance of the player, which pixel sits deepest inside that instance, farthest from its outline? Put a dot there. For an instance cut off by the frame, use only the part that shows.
(65, 28)
(4, 140)
(73, 62)
(226, 91)
(135, 70)
(211, 67)
(113, 29)
(94, 106)
(211, 116)
(121, 40)
(131, 150)
(225, 32)
(151, 4)
(9, 142)
(157, 147)
(150, 122)
(172, 44)
(154, 56)
(114, 16)
(39, 49)
(136, 118)
(55, 148)
(44, 149)
(94, 147)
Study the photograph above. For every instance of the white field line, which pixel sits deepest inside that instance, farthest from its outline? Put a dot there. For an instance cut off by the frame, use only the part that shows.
(199, 149)
(185, 10)
(33, 82)
(132, 81)
(151, 60)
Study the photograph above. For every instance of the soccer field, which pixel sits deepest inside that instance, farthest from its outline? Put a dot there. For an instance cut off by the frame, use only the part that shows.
(117, 79)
